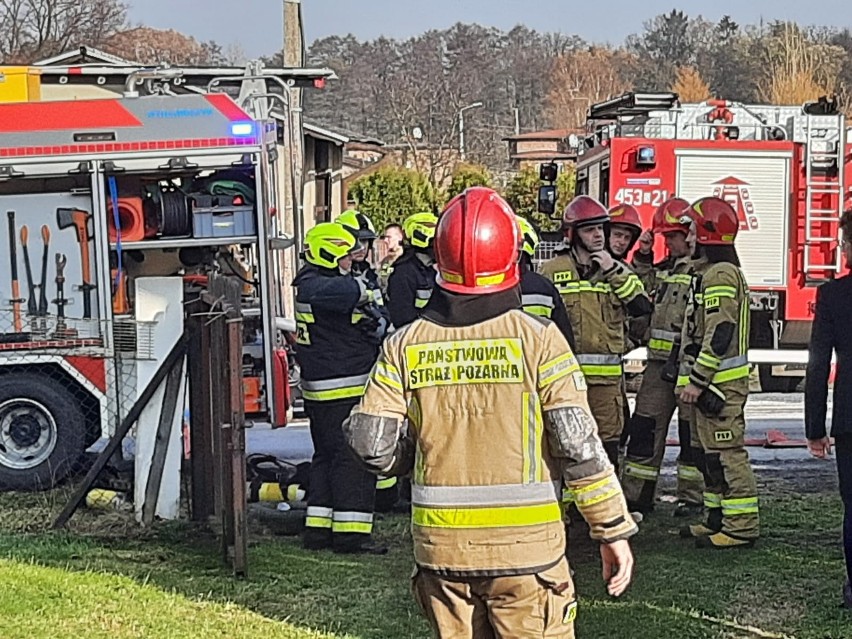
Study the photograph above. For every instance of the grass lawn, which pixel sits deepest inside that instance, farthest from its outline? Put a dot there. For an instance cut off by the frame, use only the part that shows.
(170, 583)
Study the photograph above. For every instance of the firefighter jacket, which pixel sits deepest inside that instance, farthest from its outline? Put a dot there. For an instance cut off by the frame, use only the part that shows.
(668, 284)
(498, 421)
(598, 306)
(539, 297)
(644, 267)
(714, 348)
(339, 328)
(409, 286)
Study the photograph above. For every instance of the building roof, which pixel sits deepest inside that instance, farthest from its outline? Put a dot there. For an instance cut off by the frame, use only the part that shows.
(325, 134)
(543, 155)
(81, 55)
(548, 134)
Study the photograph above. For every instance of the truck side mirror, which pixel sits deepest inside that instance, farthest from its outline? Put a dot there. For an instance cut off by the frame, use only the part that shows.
(547, 199)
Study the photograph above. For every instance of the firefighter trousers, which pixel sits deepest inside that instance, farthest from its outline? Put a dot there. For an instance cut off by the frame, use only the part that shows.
(510, 607)
(606, 401)
(341, 494)
(730, 493)
(647, 430)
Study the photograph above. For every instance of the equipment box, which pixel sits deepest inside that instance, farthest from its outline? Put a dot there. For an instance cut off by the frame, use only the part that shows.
(215, 216)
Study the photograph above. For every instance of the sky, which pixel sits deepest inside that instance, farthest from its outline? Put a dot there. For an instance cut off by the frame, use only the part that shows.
(255, 25)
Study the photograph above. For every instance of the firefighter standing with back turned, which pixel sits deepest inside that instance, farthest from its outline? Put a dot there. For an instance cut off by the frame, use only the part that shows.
(413, 277)
(713, 380)
(599, 293)
(538, 294)
(499, 419)
(338, 337)
(669, 283)
(359, 225)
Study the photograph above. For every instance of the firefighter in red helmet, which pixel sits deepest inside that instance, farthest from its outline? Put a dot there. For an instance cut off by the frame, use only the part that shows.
(625, 230)
(600, 293)
(470, 374)
(669, 282)
(713, 380)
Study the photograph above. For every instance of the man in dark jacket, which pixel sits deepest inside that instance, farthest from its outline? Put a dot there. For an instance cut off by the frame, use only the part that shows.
(832, 319)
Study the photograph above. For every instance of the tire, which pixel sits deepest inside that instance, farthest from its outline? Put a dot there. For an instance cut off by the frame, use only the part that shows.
(288, 522)
(43, 432)
(770, 383)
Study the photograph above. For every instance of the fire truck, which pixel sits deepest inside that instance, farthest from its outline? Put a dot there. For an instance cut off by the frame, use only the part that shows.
(784, 169)
(112, 209)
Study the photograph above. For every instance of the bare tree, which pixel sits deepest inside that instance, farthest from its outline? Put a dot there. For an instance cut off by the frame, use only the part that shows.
(581, 78)
(156, 46)
(690, 86)
(34, 29)
(798, 68)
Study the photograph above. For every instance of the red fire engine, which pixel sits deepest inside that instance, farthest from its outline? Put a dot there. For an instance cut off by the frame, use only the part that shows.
(784, 169)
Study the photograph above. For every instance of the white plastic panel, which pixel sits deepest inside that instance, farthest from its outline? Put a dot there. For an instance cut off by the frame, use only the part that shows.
(757, 184)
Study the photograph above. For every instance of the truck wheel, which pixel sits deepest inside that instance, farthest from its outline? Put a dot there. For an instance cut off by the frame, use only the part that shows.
(42, 432)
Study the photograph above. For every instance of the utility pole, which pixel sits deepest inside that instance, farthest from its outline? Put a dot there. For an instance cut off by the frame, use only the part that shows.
(461, 127)
(293, 220)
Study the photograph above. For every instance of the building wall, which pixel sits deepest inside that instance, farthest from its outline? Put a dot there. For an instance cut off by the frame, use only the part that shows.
(525, 146)
(313, 175)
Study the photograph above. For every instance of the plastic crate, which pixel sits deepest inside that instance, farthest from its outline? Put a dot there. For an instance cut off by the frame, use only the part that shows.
(214, 216)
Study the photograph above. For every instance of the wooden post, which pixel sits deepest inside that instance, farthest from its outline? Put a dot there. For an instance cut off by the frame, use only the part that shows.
(237, 446)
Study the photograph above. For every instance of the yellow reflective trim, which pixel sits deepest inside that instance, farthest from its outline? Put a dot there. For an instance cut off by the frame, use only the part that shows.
(308, 318)
(384, 484)
(682, 380)
(539, 311)
(677, 279)
(539, 438)
(641, 471)
(318, 522)
(337, 393)
(557, 368)
(352, 527)
(387, 381)
(490, 280)
(600, 370)
(502, 517)
(567, 496)
(720, 291)
(420, 303)
(486, 361)
(629, 287)
(740, 506)
(708, 360)
(688, 473)
(660, 345)
(731, 374)
(525, 439)
(712, 500)
(597, 492)
(387, 374)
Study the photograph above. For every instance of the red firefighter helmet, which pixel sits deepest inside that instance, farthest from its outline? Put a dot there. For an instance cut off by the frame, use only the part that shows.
(582, 211)
(715, 220)
(477, 243)
(627, 215)
(672, 215)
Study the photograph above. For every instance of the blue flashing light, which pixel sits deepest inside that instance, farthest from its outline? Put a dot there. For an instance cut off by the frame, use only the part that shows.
(242, 129)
